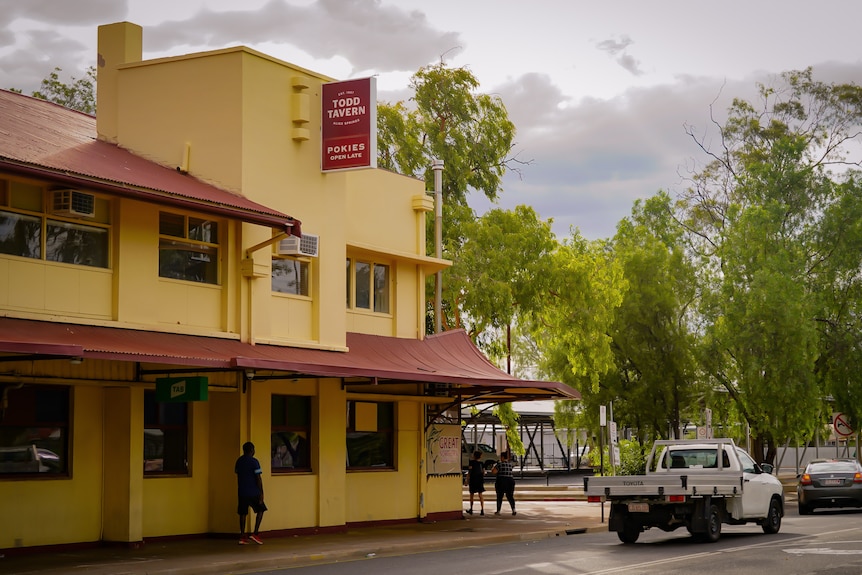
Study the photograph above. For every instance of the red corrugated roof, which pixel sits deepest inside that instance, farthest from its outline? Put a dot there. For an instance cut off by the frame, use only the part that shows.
(449, 357)
(39, 138)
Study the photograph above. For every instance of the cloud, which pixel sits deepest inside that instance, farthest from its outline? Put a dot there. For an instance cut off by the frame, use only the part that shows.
(37, 54)
(361, 31)
(614, 47)
(591, 159)
(63, 13)
(618, 49)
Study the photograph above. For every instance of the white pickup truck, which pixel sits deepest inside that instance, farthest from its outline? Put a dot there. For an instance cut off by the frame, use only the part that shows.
(698, 484)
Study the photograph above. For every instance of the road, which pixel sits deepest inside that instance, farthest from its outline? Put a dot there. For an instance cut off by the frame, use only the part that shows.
(828, 542)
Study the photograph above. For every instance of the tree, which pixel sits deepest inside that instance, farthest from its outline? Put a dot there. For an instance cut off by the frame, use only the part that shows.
(79, 94)
(655, 381)
(500, 272)
(776, 257)
(470, 132)
(448, 120)
(585, 287)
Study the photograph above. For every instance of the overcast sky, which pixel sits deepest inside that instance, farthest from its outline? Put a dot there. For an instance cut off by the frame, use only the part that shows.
(600, 92)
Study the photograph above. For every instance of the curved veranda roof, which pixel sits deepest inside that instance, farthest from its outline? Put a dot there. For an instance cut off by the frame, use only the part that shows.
(448, 362)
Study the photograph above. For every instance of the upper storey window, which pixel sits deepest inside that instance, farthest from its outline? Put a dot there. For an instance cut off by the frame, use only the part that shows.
(290, 276)
(368, 285)
(188, 248)
(67, 226)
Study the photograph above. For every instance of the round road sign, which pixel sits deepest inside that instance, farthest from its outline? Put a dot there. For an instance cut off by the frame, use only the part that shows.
(842, 425)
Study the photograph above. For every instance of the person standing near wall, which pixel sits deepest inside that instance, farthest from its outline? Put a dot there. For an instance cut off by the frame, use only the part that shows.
(505, 482)
(476, 481)
(249, 492)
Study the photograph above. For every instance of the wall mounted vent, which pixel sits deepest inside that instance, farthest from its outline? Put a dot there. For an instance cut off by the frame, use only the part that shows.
(294, 246)
(73, 203)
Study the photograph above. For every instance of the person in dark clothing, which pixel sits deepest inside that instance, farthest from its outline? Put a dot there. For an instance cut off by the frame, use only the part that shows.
(505, 482)
(249, 492)
(476, 481)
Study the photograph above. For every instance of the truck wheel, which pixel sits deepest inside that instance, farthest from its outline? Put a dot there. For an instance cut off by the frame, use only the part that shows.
(713, 525)
(629, 533)
(805, 509)
(772, 523)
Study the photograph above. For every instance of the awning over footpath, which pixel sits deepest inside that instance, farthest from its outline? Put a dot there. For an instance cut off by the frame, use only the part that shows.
(45, 140)
(447, 358)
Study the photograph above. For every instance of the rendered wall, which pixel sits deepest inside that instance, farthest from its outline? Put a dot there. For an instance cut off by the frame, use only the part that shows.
(386, 495)
(64, 510)
(180, 505)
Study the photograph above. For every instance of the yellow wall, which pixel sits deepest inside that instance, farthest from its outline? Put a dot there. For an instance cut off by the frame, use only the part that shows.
(445, 494)
(166, 104)
(123, 470)
(31, 285)
(225, 441)
(385, 495)
(56, 511)
(179, 505)
(332, 452)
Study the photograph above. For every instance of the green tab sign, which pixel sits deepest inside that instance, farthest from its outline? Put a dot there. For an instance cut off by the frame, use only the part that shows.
(181, 389)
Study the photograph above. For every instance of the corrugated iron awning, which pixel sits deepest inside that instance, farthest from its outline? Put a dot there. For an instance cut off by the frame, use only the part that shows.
(448, 358)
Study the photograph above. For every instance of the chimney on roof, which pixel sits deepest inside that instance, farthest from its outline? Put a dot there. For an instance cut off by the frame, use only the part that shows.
(120, 43)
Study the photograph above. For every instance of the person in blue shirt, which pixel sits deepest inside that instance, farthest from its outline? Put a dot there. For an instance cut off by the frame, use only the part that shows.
(249, 492)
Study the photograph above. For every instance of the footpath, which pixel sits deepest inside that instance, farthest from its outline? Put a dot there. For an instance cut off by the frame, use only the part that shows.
(544, 511)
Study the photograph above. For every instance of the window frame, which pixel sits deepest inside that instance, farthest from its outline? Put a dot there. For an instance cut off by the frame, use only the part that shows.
(19, 403)
(188, 243)
(33, 205)
(303, 429)
(377, 292)
(150, 397)
(304, 282)
(387, 428)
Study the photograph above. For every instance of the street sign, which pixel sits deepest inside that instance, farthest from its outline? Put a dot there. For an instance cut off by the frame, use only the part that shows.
(181, 389)
(603, 418)
(842, 425)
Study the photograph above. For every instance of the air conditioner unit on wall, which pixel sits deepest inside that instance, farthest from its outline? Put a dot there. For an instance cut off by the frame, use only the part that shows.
(294, 246)
(73, 203)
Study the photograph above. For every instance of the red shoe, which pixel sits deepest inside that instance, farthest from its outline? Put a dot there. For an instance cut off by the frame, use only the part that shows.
(243, 541)
(256, 539)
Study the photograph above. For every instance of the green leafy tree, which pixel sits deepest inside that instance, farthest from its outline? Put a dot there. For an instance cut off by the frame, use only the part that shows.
(763, 217)
(655, 381)
(448, 119)
(79, 94)
(632, 458)
(500, 273)
(572, 326)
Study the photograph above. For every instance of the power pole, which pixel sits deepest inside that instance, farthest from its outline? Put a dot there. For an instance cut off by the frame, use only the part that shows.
(437, 166)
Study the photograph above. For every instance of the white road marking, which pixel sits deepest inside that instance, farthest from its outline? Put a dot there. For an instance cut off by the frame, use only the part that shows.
(823, 551)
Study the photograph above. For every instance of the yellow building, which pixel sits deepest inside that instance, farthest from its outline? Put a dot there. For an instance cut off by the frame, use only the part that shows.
(159, 307)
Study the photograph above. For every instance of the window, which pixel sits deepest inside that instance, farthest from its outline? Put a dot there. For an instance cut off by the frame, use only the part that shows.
(370, 435)
(290, 275)
(34, 430)
(166, 433)
(27, 230)
(188, 248)
(290, 437)
(370, 282)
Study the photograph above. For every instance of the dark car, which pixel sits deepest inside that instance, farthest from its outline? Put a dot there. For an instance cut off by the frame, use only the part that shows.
(830, 483)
